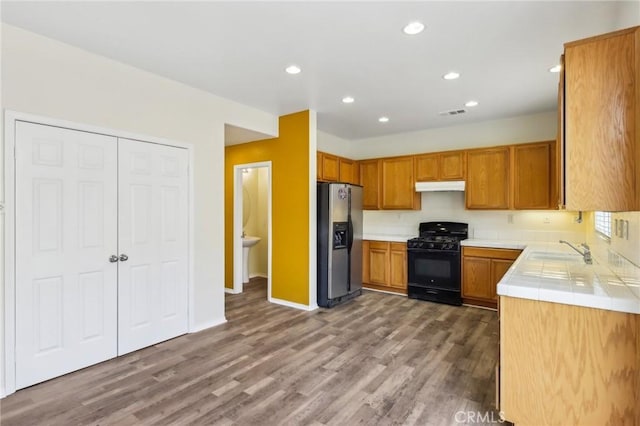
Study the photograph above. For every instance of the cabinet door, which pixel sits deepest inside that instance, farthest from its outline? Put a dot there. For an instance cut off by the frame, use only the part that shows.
(346, 170)
(369, 180)
(365, 261)
(476, 278)
(532, 173)
(356, 173)
(488, 178)
(398, 266)
(398, 184)
(318, 165)
(499, 267)
(559, 158)
(427, 167)
(601, 140)
(330, 167)
(379, 262)
(452, 165)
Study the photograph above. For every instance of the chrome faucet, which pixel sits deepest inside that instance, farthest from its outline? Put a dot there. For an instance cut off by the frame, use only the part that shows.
(586, 254)
(243, 234)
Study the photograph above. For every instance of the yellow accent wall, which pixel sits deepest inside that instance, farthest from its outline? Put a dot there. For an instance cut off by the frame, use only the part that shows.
(289, 156)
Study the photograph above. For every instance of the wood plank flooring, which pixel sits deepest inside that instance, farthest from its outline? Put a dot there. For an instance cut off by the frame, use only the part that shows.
(380, 359)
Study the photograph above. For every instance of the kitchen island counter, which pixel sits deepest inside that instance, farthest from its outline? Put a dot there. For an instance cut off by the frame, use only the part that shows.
(553, 272)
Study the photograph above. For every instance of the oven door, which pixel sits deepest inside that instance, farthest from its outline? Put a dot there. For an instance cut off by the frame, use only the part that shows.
(434, 269)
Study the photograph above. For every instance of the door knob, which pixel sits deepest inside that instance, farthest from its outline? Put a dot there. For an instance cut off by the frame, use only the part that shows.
(124, 257)
(113, 258)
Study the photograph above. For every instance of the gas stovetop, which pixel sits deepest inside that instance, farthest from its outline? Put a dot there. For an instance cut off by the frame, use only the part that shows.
(439, 236)
(434, 243)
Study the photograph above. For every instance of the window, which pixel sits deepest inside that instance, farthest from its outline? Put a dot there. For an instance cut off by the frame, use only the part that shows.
(603, 223)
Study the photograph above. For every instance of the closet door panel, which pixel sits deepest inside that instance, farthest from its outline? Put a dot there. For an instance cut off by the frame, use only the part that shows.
(153, 235)
(66, 230)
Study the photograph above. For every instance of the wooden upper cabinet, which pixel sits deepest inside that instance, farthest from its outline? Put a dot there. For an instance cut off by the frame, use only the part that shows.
(318, 165)
(333, 168)
(427, 167)
(453, 165)
(601, 120)
(559, 159)
(347, 170)
(330, 167)
(488, 178)
(369, 179)
(533, 176)
(440, 166)
(397, 184)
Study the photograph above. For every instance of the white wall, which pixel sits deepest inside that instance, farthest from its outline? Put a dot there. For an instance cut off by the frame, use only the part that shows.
(528, 128)
(49, 78)
(334, 145)
(540, 225)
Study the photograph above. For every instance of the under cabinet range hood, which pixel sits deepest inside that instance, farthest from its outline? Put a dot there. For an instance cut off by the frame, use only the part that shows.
(450, 185)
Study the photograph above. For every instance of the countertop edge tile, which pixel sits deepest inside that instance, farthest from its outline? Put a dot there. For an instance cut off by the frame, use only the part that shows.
(553, 266)
(504, 244)
(394, 238)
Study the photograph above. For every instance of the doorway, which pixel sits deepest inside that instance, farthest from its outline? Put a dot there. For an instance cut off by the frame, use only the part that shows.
(252, 233)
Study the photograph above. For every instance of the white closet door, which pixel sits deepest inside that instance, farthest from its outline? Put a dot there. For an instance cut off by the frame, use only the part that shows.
(153, 235)
(66, 230)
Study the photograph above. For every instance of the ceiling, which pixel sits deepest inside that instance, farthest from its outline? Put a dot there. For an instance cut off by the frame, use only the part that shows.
(239, 50)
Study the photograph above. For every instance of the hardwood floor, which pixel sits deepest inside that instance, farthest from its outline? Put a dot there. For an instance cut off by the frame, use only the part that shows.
(380, 359)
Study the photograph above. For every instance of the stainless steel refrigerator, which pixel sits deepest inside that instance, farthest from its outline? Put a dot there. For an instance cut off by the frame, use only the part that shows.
(339, 243)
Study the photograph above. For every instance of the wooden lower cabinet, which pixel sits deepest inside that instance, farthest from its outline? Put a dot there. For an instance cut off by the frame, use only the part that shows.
(482, 269)
(384, 266)
(568, 365)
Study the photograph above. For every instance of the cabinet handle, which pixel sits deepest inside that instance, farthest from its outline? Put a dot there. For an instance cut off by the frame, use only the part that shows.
(113, 258)
(124, 258)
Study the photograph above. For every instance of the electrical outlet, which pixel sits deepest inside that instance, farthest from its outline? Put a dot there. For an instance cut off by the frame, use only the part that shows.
(546, 220)
(510, 218)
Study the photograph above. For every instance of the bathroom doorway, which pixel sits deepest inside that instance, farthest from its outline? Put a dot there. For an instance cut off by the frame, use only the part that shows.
(252, 192)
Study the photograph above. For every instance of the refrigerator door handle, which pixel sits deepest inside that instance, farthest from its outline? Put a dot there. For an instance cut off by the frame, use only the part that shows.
(349, 234)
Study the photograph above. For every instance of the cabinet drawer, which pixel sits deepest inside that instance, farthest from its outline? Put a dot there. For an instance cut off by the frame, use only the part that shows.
(508, 254)
(379, 245)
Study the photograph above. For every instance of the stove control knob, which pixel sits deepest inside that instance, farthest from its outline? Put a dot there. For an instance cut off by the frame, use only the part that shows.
(431, 245)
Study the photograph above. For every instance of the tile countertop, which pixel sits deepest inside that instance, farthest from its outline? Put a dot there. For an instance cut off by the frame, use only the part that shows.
(395, 238)
(553, 272)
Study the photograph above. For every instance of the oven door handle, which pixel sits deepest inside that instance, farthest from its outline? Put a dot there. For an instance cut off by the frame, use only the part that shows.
(442, 252)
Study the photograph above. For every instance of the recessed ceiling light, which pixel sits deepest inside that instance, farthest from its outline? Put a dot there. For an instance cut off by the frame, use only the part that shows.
(413, 28)
(555, 68)
(451, 75)
(383, 119)
(293, 69)
(348, 99)
(471, 104)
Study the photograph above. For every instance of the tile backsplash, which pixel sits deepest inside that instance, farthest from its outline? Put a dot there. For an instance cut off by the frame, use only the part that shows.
(540, 225)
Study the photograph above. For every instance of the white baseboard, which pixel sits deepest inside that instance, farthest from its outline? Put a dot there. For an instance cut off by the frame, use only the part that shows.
(293, 304)
(258, 275)
(231, 291)
(204, 326)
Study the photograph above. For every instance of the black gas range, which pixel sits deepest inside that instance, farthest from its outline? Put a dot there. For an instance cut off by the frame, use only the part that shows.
(434, 262)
